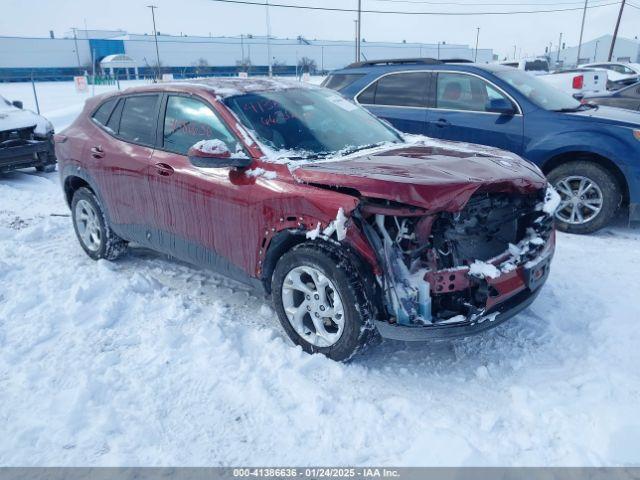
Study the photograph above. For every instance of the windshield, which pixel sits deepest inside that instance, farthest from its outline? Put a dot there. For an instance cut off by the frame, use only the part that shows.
(309, 122)
(543, 95)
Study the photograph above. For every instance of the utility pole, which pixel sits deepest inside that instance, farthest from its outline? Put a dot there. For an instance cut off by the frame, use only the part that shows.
(242, 46)
(357, 54)
(475, 57)
(584, 15)
(155, 36)
(514, 51)
(615, 32)
(595, 53)
(559, 47)
(358, 31)
(75, 39)
(269, 41)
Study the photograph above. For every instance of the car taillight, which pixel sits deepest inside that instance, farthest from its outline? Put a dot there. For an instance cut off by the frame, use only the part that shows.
(578, 82)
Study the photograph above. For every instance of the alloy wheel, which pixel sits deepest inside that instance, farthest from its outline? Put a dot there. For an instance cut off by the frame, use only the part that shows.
(88, 225)
(313, 306)
(581, 200)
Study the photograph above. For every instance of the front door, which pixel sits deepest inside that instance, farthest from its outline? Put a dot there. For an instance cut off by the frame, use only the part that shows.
(399, 98)
(197, 210)
(462, 112)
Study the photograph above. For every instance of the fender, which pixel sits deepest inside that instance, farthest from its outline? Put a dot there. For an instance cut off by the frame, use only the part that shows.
(595, 142)
(71, 170)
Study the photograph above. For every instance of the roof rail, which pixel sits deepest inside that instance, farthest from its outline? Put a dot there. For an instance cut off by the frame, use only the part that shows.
(457, 60)
(396, 61)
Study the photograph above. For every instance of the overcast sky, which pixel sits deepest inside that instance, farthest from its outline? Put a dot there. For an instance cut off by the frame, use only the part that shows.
(530, 33)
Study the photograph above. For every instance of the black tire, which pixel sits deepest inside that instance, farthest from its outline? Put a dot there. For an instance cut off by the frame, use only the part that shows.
(611, 195)
(111, 246)
(353, 285)
(49, 168)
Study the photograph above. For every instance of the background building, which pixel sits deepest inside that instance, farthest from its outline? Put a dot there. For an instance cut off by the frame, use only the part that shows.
(597, 50)
(184, 56)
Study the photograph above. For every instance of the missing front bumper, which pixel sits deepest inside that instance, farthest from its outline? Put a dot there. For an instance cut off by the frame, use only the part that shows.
(498, 315)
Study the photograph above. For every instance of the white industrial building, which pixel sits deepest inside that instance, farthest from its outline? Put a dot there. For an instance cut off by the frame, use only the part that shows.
(597, 50)
(53, 58)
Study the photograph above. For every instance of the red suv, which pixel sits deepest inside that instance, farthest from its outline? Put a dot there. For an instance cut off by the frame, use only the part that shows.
(354, 229)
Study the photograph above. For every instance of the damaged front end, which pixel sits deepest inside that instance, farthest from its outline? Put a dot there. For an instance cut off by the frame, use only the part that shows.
(449, 274)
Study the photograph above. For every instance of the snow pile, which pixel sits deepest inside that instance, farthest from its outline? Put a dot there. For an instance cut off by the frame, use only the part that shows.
(261, 172)
(483, 269)
(214, 147)
(551, 201)
(337, 226)
(126, 363)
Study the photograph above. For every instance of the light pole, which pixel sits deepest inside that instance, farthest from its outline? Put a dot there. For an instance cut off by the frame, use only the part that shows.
(595, 53)
(75, 39)
(155, 36)
(269, 40)
(559, 47)
(615, 32)
(358, 30)
(514, 51)
(475, 57)
(584, 15)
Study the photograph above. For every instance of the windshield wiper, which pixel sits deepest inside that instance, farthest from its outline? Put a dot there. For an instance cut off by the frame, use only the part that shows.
(580, 107)
(349, 151)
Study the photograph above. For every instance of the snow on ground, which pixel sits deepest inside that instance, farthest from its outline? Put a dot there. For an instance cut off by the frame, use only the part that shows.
(148, 361)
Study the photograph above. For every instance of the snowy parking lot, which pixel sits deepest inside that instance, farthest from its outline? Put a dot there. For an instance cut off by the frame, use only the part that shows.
(148, 361)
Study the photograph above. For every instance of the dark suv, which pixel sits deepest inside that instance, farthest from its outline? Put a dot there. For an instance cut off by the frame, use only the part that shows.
(352, 229)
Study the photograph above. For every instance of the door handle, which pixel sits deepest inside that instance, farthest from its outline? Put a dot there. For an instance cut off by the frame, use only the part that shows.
(97, 152)
(164, 170)
(441, 122)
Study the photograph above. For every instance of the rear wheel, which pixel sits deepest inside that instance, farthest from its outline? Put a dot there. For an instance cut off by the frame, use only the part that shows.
(321, 301)
(91, 227)
(590, 196)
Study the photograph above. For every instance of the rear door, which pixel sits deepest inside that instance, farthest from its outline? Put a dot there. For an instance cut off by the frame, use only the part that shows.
(120, 154)
(400, 98)
(461, 111)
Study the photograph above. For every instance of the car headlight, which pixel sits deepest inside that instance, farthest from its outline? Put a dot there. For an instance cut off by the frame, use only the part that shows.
(636, 134)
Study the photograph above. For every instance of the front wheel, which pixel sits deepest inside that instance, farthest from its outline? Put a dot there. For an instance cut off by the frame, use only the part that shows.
(589, 194)
(321, 300)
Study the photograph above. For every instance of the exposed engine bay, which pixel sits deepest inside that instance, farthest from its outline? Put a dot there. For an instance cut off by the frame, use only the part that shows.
(439, 268)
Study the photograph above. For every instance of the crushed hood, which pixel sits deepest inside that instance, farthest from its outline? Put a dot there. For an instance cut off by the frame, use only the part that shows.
(437, 178)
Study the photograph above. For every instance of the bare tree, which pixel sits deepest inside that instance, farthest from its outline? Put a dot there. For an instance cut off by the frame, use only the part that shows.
(307, 65)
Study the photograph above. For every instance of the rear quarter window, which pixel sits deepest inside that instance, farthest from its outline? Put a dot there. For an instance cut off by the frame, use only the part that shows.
(339, 81)
(101, 115)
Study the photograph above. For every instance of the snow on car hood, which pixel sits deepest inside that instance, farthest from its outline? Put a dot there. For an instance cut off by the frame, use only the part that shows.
(12, 118)
(438, 177)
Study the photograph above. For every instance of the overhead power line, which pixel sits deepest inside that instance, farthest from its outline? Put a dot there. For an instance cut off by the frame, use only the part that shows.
(486, 4)
(399, 12)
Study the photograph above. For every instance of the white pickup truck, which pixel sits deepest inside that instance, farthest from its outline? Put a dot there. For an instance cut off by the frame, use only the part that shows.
(577, 82)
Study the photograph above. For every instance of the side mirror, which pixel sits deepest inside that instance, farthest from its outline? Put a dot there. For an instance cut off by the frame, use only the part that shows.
(17, 104)
(500, 105)
(215, 154)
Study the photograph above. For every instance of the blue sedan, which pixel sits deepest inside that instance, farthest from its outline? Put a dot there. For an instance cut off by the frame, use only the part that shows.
(590, 153)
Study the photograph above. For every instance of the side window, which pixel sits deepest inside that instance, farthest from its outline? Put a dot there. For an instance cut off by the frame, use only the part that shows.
(101, 115)
(187, 121)
(457, 91)
(401, 90)
(138, 120)
(114, 120)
